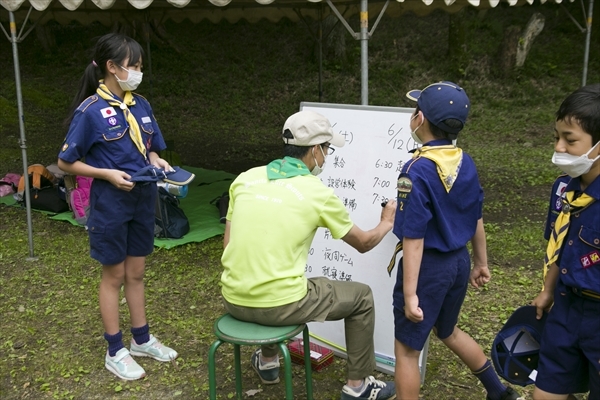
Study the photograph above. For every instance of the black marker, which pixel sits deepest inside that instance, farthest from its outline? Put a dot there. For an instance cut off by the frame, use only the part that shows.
(384, 204)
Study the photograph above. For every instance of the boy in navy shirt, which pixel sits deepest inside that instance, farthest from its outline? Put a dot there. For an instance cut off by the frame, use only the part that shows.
(439, 210)
(570, 346)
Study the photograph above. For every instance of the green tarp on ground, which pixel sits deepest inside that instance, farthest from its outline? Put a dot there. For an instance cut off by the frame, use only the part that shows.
(203, 216)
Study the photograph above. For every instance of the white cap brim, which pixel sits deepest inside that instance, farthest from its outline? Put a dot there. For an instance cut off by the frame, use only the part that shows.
(337, 140)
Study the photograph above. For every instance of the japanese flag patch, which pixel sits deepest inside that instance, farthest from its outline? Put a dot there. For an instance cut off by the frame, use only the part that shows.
(108, 112)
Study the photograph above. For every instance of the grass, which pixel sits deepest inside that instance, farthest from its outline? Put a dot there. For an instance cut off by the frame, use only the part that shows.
(222, 95)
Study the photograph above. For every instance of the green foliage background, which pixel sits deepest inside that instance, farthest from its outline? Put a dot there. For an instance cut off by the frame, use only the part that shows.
(221, 93)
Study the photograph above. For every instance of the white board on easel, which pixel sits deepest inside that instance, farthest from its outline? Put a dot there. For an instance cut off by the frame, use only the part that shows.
(363, 174)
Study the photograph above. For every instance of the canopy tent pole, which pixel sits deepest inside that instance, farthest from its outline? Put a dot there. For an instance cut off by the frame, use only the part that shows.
(320, 44)
(588, 31)
(587, 42)
(22, 142)
(364, 52)
(364, 37)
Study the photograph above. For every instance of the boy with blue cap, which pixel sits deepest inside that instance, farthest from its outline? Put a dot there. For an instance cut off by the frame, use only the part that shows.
(570, 345)
(439, 211)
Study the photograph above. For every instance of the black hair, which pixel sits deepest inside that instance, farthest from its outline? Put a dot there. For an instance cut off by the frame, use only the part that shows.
(583, 107)
(113, 46)
(291, 150)
(439, 132)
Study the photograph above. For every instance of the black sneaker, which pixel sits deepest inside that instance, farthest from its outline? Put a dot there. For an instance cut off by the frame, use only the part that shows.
(269, 372)
(374, 390)
(508, 394)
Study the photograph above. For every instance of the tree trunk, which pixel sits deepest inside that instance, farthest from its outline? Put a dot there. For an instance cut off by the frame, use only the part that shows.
(508, 50)
(534, 27)
(46, 37)
(457, 39)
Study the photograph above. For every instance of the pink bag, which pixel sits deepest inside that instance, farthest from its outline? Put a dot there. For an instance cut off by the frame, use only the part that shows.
(79, 199)
(8, 184)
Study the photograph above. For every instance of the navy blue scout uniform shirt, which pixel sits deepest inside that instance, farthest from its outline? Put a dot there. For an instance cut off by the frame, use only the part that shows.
(579, 259)
(446, 221)
(100, 133)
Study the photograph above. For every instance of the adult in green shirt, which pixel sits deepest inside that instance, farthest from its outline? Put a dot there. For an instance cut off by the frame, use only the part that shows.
(274, 212)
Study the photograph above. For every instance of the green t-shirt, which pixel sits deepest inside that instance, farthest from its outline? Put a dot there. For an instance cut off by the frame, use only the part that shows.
(273, 222)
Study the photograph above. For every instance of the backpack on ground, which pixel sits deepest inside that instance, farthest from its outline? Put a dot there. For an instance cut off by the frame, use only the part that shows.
(43, 191)
(8, 184)
(170, 220)
(79, 198)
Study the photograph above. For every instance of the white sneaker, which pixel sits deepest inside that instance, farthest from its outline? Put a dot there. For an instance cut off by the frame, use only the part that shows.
(153, 348)
(124, 366)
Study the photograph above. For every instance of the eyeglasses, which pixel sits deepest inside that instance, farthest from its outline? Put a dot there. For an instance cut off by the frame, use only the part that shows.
(327, 150)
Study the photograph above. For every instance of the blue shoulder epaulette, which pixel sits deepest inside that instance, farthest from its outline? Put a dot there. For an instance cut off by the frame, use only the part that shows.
(87, 102)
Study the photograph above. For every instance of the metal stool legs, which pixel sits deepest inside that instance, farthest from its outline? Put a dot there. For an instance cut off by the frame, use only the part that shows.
(238, 368)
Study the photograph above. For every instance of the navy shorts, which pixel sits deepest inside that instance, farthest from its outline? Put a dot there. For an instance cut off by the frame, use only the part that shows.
(570, 346)
(121, 223)
(442, 286)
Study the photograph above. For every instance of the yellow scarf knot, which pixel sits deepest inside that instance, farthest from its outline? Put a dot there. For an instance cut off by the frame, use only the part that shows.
(561, 226)
(448, 160)
(128, 100)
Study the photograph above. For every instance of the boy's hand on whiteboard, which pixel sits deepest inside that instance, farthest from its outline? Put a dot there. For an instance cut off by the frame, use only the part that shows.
(480, 275)
(388, 212)
(412, 311)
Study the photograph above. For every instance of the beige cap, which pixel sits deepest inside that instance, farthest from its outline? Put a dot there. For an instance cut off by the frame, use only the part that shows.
(310, 128)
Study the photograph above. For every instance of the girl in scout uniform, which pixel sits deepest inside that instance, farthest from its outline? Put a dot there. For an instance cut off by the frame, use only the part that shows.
(116, 133)
(570, 345)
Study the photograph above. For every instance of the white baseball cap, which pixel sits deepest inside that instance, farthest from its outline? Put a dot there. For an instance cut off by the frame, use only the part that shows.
(310, 128)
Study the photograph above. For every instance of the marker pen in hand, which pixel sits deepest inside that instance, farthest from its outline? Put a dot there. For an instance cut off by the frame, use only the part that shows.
(384, 204)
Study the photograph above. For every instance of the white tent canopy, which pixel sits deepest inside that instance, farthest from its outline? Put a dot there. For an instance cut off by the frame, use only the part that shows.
(108, 11)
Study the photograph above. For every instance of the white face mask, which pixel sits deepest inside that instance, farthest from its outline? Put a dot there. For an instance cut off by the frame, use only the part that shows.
(574, 166)
(317, 170)
(414, 133)
(134, 78)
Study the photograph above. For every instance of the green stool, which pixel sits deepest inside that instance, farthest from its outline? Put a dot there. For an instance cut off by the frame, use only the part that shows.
(230, 330)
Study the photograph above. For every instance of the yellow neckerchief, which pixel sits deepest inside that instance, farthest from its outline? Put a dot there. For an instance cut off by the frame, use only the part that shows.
(128, 100)
(561, 226)
(448, 159)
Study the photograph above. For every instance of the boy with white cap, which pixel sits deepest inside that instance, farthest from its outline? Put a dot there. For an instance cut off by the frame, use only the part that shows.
(274, 212)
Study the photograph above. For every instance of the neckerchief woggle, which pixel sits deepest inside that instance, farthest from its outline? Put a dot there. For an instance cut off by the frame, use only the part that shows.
(128, 100)
(287, 167)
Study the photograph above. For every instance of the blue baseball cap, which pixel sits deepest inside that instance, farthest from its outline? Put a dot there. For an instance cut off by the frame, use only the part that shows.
(151, 173)
(441, 101)
(516, 349)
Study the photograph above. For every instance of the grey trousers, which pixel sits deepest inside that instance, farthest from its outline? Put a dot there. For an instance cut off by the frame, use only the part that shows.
(326, 300)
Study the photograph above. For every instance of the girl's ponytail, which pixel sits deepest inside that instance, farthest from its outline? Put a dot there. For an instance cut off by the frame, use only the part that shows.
(87, 87)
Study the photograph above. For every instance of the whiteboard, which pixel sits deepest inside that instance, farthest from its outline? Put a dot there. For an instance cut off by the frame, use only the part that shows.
(363, 174)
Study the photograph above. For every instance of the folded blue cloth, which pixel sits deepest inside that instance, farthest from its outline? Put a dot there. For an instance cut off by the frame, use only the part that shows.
(151, 173)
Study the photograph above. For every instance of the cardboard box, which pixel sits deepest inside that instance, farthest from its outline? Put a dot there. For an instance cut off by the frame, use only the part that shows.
(320, 356)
